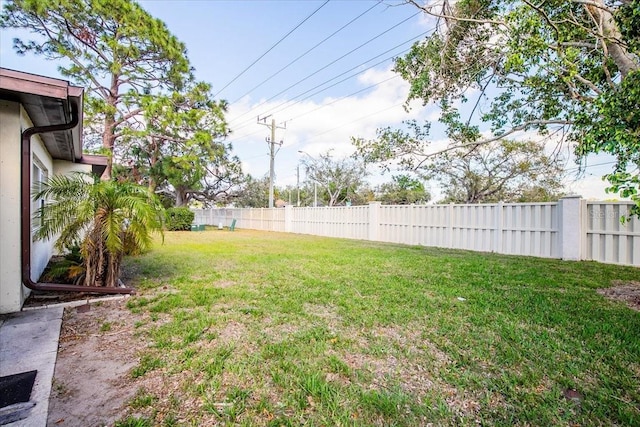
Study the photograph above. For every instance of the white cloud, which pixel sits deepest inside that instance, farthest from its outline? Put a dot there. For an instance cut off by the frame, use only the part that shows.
(318, 126)
(590, 187)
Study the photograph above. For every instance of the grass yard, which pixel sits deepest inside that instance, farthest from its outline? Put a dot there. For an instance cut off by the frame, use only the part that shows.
(269, 329)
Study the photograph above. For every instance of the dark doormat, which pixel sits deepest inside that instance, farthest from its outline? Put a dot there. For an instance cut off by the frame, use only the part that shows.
(15, 392)
(16, 388)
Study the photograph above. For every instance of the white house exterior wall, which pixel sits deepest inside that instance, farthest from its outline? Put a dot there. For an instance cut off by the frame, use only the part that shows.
(13, 120)
(62, 167)
(41, 251)
(11, 293)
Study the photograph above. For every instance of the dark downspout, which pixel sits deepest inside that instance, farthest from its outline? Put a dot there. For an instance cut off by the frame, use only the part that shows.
(25, 223)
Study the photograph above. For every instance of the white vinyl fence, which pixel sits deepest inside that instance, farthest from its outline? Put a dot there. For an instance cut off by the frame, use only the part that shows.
(571, 229)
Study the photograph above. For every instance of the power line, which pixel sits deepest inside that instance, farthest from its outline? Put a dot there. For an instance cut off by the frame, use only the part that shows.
(306, 53)
(590, 166)
(324, 89)
(351, 122)
(343, 97)
(331, 63)
(332, 129)
(271, 48)
(361, 71)
(348, 77)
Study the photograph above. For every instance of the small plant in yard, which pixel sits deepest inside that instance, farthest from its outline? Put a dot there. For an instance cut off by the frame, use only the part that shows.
(179, 219)
(147, 363)
(134, 422)
(268, 329)
(66, 268)
(142, 399)
(105, 219)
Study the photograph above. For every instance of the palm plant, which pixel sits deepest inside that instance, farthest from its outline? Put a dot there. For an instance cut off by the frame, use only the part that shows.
(106, 219)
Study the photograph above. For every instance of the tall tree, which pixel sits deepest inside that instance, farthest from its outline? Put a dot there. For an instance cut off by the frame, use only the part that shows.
(178, 147)
(336, 179)
(570, 66)
(114, 48)
(509, 171)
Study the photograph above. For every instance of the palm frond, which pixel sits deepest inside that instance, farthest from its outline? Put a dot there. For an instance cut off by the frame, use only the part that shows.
(103, 217)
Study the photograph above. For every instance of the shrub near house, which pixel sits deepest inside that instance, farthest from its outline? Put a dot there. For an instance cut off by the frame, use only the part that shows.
(179, 219)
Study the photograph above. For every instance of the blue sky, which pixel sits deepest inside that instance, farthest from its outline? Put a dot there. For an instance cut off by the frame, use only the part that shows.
(224, 37)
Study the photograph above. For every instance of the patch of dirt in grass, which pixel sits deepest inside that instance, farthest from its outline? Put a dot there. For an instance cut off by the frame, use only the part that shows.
(403, 369)
(409, 338)
(98, 347)
(170, 397)
(626, 292)
(277, 333)
(232, 333)
(223, 284)
(328, 313)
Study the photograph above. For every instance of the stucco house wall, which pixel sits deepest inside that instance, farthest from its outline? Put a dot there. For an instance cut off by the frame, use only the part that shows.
(13, 120)
(11, 292)
(41, 250)
(28, 100)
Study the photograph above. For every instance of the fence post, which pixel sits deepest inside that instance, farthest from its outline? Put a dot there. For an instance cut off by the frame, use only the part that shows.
(499, 219)
(571, 226)
(450, 213)
(374, 220)
(288, 219)
(262, 219)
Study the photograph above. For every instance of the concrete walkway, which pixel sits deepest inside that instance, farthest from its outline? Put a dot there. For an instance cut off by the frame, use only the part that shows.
(29, 341)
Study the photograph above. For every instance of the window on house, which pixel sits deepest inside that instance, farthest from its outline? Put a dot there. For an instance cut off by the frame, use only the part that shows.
(39, 175)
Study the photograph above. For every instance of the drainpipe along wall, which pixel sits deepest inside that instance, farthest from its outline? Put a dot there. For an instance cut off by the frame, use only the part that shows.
(25, 216)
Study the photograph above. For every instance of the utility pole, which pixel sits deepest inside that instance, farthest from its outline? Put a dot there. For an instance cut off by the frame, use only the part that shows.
(272, 152)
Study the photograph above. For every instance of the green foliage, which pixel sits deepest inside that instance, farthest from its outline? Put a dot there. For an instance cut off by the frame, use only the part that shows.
(179, 219)
(508, 171)
(336, 179)
(616, 132)
(180, 149)
(113, 48)
(69, 268)
(628, 19)
(132, 421)
(142, 399)
(567, 67)
(106, 219)
(253, 193)
(132, 67)
(402, 190)
(147, 363)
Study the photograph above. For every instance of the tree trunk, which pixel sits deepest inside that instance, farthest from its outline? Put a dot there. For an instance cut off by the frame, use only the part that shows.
(109, 132)
(112, 270)
(108, 142)
(623, 59)
(153, 160)
(93, 254)
(180, 197)
(101, 267)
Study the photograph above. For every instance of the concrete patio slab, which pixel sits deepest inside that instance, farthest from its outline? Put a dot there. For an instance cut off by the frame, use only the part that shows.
(29, 341)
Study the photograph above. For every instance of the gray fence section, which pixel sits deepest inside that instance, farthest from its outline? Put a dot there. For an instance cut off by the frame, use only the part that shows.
(572, 228)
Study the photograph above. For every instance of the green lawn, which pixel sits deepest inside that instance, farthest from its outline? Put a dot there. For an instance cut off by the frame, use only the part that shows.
(254, 328)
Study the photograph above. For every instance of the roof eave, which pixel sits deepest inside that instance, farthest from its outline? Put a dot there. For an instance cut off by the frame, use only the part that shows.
(21, 87)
